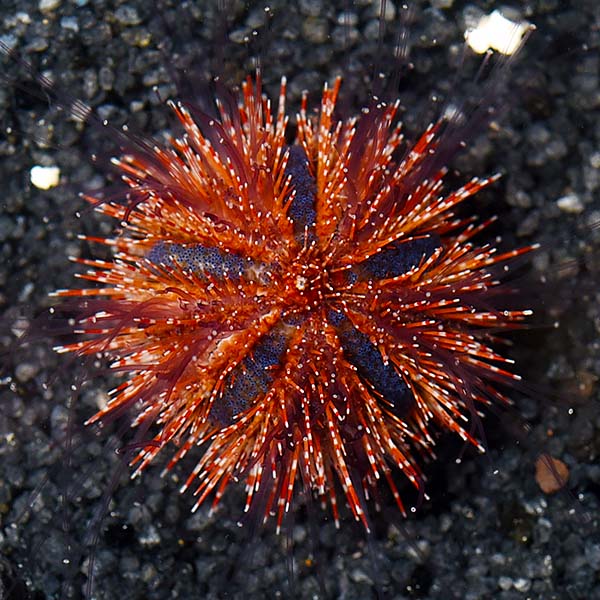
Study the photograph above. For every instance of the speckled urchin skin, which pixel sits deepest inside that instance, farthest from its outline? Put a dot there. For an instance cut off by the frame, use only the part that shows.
(489, 532)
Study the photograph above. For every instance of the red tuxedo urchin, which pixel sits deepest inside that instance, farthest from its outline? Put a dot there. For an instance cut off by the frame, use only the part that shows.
(309, 313)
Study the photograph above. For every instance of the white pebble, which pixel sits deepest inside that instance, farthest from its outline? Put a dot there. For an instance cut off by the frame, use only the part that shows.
(44, 178)
(570, 204)
(48, 5)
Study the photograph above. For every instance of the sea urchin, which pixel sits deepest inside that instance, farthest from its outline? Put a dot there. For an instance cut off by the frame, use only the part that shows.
(307, 313)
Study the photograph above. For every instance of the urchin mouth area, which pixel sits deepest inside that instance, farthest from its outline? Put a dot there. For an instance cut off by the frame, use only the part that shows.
(307, 285)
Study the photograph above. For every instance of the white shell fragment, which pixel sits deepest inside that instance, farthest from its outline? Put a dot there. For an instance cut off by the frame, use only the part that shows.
(496, 32)
(44, 178)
